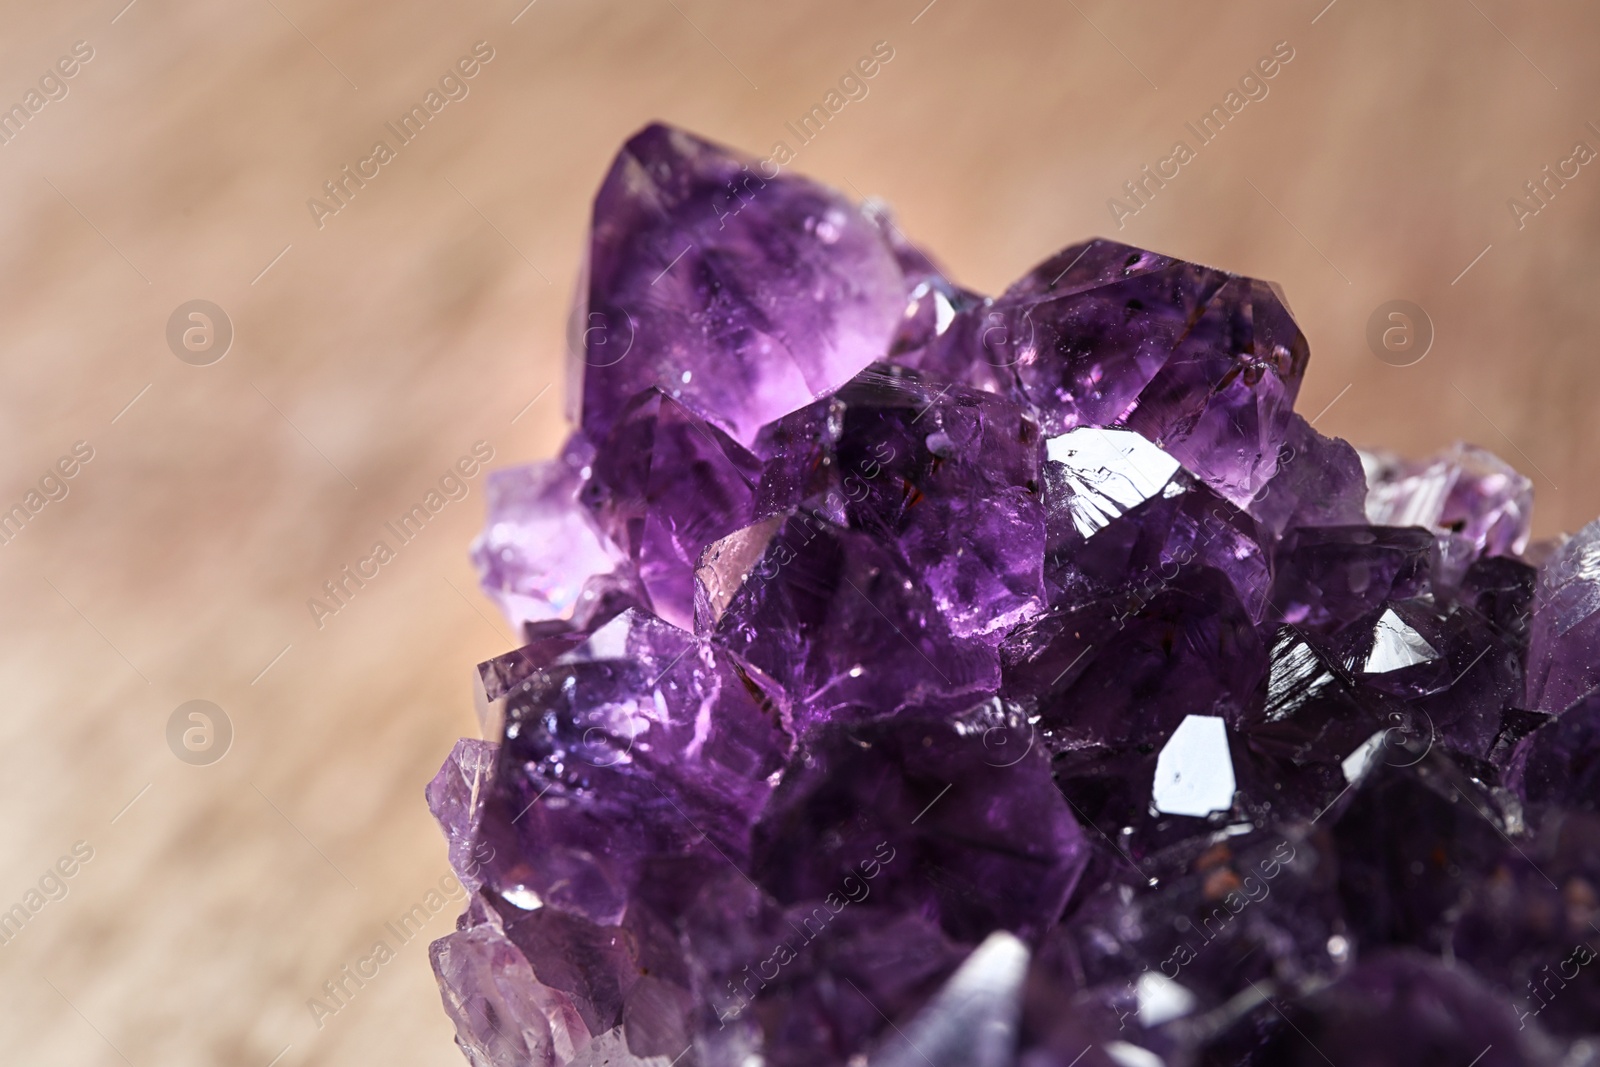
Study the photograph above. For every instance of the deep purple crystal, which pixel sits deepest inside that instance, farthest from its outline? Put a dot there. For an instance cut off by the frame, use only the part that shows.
(919, 677)
(1398, 1008)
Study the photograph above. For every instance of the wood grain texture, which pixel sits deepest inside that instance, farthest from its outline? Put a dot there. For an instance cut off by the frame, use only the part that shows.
(429, 311)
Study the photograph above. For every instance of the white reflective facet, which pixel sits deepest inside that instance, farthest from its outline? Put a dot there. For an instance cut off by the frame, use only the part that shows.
(1297, 676)
(520, 896)
(1396, 645)
(1109, 471)
(1132, 1055)
(944, 313)
(1361, 760)
(611, 640)
(1161, 999)
(1194, 773)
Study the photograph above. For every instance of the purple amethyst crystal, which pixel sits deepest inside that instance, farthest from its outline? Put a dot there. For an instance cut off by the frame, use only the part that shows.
(1564, 649)
(744, 295)
(918, 677)
(542, 555)
(1204, 363)
(1475, 502)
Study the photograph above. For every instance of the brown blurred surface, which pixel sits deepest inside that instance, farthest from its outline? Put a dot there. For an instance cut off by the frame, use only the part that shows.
(431, 310)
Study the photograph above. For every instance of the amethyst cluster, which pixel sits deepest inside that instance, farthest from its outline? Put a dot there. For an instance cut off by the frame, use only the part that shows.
(918, 677)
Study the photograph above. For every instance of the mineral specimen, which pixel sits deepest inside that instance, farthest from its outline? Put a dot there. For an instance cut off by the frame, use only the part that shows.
(914, 677)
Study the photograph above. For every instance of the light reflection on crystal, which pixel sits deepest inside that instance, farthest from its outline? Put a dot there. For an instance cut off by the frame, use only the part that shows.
(1396, 646)
(1194, 773)
(1109, 472)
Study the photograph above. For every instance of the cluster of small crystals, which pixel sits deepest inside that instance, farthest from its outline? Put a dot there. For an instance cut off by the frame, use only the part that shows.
(918, 677)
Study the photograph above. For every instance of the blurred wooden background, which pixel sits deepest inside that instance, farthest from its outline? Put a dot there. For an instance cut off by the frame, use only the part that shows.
(370, 353)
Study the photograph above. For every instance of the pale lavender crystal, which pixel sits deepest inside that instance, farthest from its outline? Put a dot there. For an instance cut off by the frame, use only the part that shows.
(1475, 502)
(918, 677)
(540, 547)
(972, 1020)
(455, 796)
(504, 1017)
(933, 305)
(1564, 653)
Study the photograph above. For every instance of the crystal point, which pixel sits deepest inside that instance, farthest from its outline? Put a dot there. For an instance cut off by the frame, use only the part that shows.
(745, 296)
